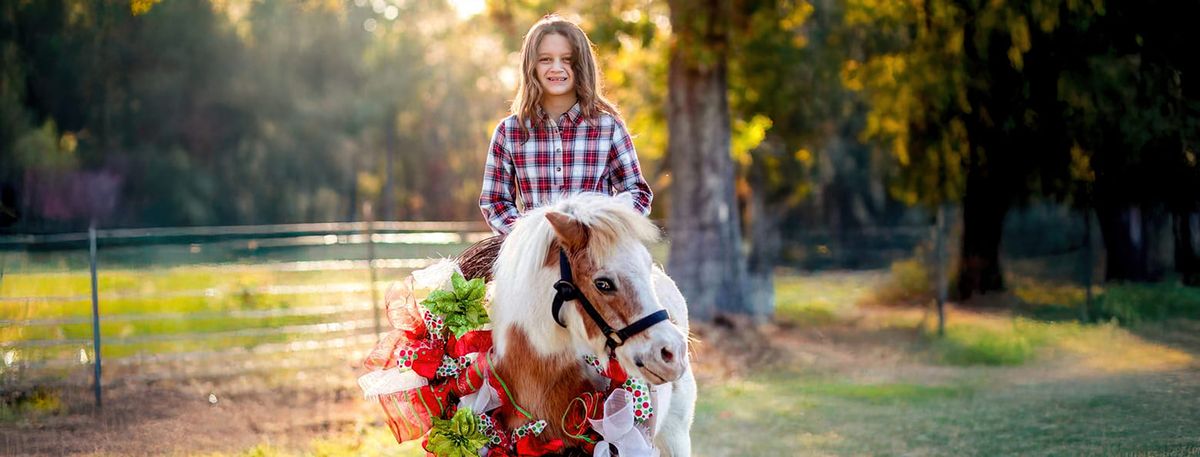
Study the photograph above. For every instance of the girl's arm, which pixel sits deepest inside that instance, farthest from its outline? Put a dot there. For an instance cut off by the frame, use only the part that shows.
(497, 200)
(624, 172)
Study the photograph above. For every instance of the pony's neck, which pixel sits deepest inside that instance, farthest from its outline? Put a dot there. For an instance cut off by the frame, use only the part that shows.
(523, 302)
(543, 384)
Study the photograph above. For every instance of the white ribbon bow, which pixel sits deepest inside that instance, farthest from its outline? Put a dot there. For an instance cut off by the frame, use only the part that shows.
(617, 428)
(483, 400)
(383, 382)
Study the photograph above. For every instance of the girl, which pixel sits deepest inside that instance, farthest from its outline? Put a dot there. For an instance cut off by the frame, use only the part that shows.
(563, 137)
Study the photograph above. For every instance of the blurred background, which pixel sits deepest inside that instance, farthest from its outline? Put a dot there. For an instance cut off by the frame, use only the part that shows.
(961, 227)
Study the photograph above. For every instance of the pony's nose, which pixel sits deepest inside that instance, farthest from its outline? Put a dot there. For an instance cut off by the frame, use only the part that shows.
(666, 355)
(670, 360)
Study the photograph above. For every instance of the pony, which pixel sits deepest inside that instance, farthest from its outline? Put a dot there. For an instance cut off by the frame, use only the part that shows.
(540, 353)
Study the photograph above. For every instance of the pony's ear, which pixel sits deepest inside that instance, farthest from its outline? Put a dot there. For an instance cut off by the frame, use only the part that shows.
(572, 234)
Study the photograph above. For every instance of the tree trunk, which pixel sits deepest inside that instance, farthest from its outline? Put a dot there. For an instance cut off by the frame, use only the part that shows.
(984, 207)
(705, 257)
(1187, 246)
(1126, 243)
(766, 242)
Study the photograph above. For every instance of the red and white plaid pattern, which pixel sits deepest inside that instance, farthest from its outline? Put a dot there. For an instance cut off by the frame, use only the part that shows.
(566, 157)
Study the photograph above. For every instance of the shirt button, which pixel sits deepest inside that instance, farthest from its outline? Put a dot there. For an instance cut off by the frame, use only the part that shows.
(557, 168)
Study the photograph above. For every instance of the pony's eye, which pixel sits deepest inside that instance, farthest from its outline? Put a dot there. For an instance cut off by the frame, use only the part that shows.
(605, 285)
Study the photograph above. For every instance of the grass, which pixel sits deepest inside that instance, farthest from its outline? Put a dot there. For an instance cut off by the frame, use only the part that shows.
(971, 340)
(801, 413)
(824, 299)
(1136, 303)
(998, 383)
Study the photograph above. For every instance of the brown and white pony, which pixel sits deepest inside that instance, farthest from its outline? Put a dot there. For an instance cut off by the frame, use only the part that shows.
(604, 240)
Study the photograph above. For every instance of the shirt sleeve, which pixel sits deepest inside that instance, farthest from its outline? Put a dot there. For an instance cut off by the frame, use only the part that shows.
(497, 200)
(624, 172)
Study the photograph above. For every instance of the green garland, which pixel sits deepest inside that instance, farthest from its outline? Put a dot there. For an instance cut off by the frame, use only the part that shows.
(461, 308)
(459, 436)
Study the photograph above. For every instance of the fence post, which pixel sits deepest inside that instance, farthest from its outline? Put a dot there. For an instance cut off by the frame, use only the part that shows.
(95, 313)
(369, 213)
(941, 269)
(1087, 264)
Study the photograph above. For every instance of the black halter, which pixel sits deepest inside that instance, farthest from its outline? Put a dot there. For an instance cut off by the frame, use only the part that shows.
(567, 291)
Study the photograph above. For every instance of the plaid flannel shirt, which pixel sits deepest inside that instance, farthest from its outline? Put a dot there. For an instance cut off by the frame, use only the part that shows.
(566, 157)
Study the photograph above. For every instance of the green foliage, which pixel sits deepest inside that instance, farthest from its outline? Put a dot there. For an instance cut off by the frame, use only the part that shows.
(909, 281)
(821, 299)
(1134, 303)
(216, 112)
(43, 149)
(460, 436)
(461, 308)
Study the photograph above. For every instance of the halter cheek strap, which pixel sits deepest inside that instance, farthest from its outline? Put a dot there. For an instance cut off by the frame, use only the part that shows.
(566, 290)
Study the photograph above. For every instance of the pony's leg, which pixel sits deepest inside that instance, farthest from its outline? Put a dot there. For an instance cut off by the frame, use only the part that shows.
(674, 438)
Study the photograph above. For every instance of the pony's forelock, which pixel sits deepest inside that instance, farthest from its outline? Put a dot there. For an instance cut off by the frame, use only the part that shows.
(609, 222)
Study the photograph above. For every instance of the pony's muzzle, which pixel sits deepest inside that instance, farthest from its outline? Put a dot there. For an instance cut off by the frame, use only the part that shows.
(663, 362)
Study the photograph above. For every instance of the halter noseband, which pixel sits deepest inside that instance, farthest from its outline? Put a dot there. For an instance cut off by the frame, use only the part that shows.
(566, 291)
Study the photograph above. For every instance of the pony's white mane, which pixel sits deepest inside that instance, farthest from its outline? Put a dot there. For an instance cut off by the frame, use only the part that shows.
(523, 283)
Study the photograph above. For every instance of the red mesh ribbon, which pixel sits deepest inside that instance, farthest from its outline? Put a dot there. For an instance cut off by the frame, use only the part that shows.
(408, 326)
(410, 413)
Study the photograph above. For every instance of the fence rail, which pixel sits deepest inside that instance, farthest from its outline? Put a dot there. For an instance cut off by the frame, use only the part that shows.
(43, 346)
(333, 312)
(175, 234)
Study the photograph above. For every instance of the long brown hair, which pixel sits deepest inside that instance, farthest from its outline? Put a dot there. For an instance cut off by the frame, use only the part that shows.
(583, 64)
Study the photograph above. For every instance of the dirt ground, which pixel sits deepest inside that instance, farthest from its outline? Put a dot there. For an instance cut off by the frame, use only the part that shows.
(284, 410)
(289, 410)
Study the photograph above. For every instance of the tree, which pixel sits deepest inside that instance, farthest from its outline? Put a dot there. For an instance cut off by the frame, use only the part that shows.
(706, 259)
(965, 96)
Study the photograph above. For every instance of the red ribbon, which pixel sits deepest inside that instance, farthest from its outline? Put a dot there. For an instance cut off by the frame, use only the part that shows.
(589, 405)
(531, 446)
(429, 358)
(615, 372)
(479, 341)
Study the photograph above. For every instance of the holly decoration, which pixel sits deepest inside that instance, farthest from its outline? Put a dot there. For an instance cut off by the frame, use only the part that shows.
(461, 309)
(460, 436)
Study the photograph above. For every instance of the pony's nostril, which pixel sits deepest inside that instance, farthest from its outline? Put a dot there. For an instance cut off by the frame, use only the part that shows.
(667, 356)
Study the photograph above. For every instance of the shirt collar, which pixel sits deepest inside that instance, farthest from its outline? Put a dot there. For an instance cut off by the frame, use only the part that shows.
(572, 114)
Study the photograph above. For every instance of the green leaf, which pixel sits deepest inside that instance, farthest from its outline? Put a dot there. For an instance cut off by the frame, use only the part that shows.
(458, 281)
(461, 308)
(459, 436)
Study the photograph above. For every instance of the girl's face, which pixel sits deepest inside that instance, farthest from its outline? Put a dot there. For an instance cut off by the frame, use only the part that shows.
(554, 71)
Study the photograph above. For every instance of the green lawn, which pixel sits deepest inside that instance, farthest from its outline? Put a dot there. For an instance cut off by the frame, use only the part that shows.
(846, 372)
(882, 383)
